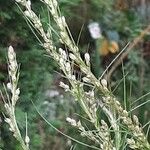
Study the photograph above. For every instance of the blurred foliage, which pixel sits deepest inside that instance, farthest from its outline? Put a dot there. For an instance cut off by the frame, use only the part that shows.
(37, 70)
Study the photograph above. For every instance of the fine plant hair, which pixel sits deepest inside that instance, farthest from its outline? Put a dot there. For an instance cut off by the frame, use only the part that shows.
(109, 134)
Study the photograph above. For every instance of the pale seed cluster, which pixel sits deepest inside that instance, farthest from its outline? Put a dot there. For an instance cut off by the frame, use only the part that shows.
(102, 136)
(10, 105)
(109, 104)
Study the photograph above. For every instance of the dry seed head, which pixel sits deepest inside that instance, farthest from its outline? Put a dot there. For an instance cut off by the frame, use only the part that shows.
(7, 107)
(12, 130)
(107, 99)
(135, 120)
(71, 121)
(104, 82)
(9, 86)
(13, 78)
(137, 129)
(120, 109)
(85, 79)
(47, 1)
(83, 134)
(84, 69)
(125, 113)
(18, 91)
(55, 3)
(11, 50)
(117, 103)
(65, 86)
(80, 126)
(27, 139)
(132, 143)
(13, 65)
(63, 53)
(11, 53)
(73, 77)
(61, 61)
(63, 35)
(87, 58)
(90, 93)
(28, 4)
(104, 123)
(62, 21)
(47, 46)
(7, 120)
(129, 121)
(72, 56)
(97, 84)
(28, 14)
(68, 67)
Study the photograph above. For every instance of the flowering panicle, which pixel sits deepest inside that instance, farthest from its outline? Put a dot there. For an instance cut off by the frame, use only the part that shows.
(64, 86)
(102, 136)
(107, 101)
(15, 92)
(87, 59)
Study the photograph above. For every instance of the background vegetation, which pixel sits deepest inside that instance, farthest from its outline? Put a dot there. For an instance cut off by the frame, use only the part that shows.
(120, 20)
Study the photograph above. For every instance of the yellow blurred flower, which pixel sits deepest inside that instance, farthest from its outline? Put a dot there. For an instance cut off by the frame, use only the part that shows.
(108, 47)
(113, 47)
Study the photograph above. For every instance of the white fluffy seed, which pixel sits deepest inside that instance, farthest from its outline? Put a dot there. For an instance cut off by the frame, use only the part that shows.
(104, 82)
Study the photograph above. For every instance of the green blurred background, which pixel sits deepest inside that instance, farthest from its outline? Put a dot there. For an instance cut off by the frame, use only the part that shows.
(39, 78)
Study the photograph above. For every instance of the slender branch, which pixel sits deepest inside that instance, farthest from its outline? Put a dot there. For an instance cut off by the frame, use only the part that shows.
(124, 55)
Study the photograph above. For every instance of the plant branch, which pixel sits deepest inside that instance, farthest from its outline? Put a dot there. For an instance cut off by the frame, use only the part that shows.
(124, 55)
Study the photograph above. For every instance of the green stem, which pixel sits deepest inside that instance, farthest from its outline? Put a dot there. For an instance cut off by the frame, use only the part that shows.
(97, 60)
(18, 134)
